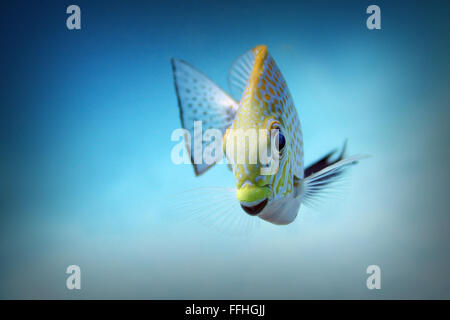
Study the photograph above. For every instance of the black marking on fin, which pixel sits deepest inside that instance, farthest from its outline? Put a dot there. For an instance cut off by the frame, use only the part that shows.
(325, 162)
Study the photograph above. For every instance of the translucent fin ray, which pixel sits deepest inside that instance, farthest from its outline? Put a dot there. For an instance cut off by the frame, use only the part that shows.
(215, 208)
(200, 99)
(318, 184)
(240, 73)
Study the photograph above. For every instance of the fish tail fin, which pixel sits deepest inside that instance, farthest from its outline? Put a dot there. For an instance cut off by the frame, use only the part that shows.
(321, 175)
(200, 99)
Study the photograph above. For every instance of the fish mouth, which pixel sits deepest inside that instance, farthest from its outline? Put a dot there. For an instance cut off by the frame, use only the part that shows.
(254, 208)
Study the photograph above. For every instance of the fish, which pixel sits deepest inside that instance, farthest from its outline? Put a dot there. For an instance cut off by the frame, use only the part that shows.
(259, 99)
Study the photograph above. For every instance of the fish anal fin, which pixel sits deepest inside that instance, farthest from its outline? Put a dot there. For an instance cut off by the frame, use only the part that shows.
(322, 174)
(325, 161)
(324, 179)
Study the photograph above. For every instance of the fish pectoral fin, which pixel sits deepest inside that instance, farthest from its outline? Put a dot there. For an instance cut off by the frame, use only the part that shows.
(200, 99)
(297, 186)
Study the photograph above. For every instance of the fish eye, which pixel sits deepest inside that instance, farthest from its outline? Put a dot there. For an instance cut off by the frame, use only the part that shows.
(281, 141)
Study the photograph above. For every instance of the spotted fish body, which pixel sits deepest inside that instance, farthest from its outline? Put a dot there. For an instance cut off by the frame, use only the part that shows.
(263, 102)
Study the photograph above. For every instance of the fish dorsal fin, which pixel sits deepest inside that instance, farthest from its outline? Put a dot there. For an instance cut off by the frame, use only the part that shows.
(240, 72)
(200, 99)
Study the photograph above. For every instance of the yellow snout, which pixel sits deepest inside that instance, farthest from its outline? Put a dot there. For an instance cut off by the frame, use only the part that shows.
(252, 194)
(253, 199)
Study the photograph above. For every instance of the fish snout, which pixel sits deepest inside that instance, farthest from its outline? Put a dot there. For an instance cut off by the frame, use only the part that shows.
(253, 199)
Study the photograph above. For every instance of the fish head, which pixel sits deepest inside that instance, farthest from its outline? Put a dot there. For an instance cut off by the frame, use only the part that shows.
(258, 144)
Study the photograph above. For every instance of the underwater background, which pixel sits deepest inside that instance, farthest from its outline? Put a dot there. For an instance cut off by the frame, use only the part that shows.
(86, 175)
